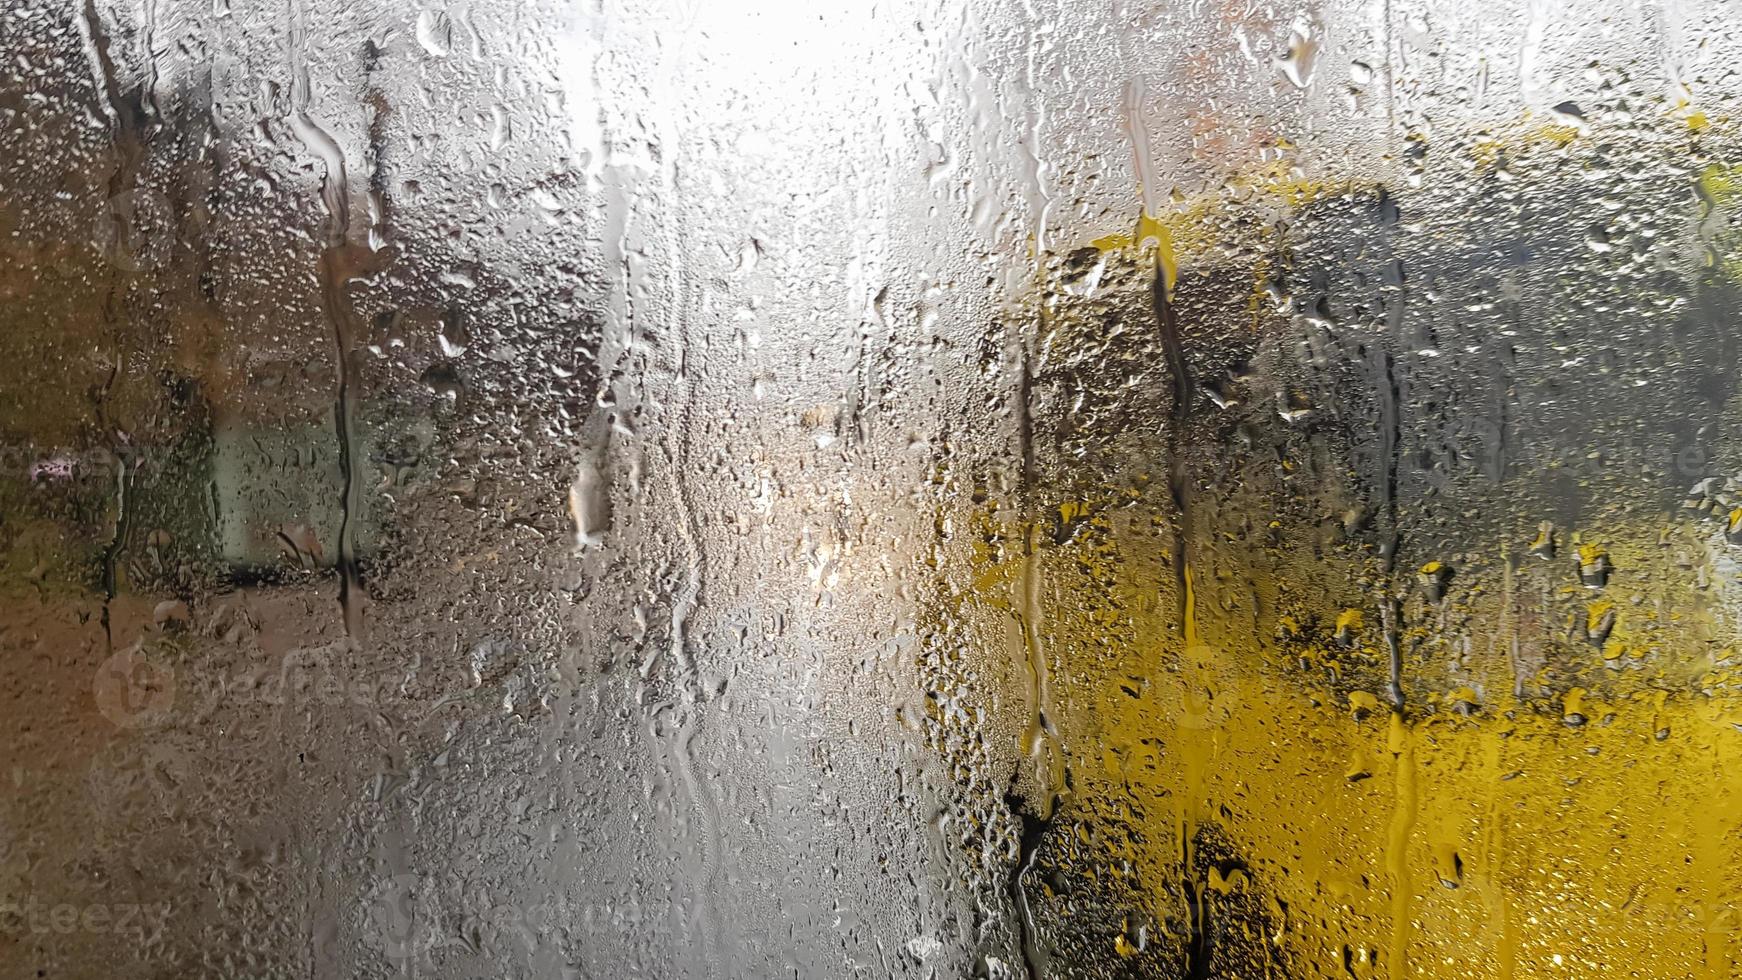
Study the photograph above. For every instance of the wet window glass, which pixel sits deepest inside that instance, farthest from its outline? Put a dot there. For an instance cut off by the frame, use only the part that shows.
(887, 488)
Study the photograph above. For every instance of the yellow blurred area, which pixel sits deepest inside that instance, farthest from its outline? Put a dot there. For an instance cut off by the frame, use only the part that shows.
(1587, 831)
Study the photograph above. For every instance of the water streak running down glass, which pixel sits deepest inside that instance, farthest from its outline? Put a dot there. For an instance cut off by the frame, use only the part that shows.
(1012, 489)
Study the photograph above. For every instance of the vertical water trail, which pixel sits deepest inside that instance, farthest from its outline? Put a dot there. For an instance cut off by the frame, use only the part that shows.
(1194, 754)
(1400, 742)
(1037, 741)
(1194, 762)
(116, 546)
(1040, 742)
(1034, 114)
(684, 605)
(148, 44)
(1189, 738)
(688, 598)
(339, 263)
(1390, 433)
(1040, 739)
(129, 132)
(96, 45)
(1036, 961)
(1137, 131)
(1039, 732)
(1400, 736)
(1500, 924)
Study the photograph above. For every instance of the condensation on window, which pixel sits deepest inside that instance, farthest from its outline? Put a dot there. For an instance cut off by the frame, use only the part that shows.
(914, 488)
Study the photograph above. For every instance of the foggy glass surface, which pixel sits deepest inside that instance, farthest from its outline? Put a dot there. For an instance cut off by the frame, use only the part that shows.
(915, 488)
